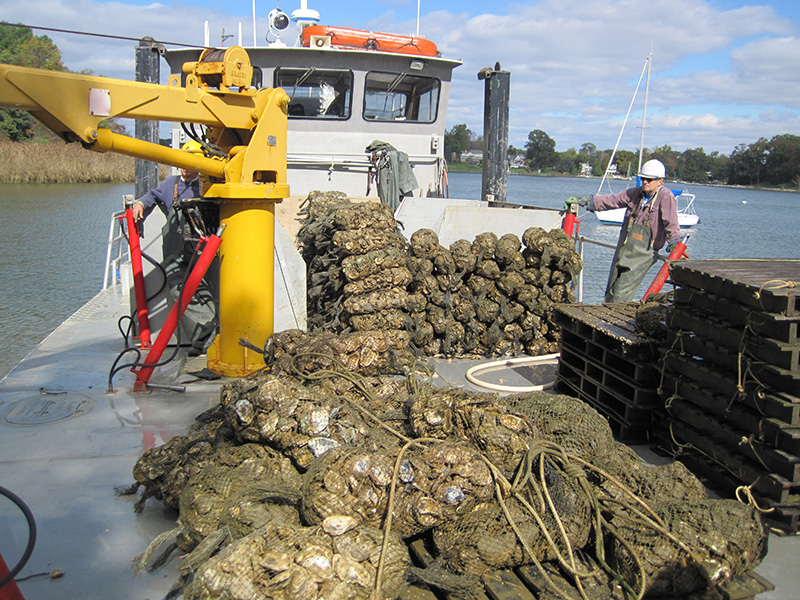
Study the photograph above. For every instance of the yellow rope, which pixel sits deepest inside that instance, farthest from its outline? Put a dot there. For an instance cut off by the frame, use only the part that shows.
(747, 490)
(774, 284)
(749, 441)
(355, 379)
(387, 524)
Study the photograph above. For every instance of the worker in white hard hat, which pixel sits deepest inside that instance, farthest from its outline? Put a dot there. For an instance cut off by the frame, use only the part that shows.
(178, 197)
(651, 220)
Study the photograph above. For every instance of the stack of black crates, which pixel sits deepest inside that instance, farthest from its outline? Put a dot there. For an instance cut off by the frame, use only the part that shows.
(730, 379)
(610, 365)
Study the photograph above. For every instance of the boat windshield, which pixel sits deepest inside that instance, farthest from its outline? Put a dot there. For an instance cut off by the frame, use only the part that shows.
(400, 97)
(317, 93)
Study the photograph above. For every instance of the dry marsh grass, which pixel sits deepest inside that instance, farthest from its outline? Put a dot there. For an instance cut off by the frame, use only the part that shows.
(57, 162)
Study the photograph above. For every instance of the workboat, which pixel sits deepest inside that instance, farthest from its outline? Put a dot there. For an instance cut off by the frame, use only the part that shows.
(73, 423)
(349, 89)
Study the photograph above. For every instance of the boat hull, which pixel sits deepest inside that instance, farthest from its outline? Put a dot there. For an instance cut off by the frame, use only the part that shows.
(617, 216)
(686, 215)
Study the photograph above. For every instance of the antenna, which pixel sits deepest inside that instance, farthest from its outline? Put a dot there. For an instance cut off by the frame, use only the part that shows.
(418, 3)
(255, 42)
(644, 111)
(305, 16)
(619, 137)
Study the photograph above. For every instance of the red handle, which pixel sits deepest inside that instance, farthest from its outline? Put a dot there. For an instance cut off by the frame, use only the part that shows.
(676, 254)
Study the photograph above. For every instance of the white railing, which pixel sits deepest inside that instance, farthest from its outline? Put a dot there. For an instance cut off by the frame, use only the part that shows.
(116, 252)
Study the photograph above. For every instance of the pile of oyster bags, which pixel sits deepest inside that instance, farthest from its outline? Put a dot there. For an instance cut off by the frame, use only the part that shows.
(489, 296)
(310, 486)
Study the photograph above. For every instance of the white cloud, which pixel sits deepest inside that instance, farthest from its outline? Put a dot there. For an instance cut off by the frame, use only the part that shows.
(720, 77)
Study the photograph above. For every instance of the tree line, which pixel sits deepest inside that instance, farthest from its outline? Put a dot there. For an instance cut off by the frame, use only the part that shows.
(774, 162)
(19, 47)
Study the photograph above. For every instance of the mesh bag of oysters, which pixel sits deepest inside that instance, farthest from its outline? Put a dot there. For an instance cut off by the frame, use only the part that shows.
(364, 352)
(355, 257)
(492, 295)
(322, 477)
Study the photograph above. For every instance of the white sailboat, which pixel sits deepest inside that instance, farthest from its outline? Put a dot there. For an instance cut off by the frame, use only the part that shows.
(687, 217)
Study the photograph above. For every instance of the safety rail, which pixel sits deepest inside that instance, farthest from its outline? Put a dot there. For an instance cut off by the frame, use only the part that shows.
(116, 235)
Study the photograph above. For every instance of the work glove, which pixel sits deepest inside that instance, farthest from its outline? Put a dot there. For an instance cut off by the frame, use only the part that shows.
(671, 245)
(582, 201)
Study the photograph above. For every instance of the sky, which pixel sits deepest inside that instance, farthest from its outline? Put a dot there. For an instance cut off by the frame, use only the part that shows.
(724, 72)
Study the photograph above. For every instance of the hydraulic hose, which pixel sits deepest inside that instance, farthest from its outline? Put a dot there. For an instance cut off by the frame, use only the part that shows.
(31, 535)
(137, 364)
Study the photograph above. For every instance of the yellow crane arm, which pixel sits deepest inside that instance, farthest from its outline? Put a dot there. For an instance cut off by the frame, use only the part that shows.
(72, 105)
(248, 127)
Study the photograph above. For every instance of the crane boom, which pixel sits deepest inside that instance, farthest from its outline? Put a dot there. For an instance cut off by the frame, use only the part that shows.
(246, 173)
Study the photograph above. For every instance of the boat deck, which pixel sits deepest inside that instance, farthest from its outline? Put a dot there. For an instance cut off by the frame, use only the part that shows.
(66, 443)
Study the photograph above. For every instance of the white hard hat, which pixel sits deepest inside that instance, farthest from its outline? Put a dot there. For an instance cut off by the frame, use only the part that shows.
(653, 169)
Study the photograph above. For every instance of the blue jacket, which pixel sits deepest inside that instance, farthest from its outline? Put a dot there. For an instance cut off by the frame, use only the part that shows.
(166, 193)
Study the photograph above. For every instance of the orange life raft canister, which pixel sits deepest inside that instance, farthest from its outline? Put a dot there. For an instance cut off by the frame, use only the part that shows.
(341, 37)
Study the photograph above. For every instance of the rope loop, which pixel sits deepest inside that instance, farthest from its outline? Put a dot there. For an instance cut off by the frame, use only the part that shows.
(749, 499)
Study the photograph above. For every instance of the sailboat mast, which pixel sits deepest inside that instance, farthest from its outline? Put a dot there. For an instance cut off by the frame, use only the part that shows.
(622, 129)
(644, 112)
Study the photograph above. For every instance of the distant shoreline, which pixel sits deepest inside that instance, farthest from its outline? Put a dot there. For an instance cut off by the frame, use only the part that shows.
(468, 168)
(56, 162)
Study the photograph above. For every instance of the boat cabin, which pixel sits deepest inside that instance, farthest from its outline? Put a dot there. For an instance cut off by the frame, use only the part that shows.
(345, 98)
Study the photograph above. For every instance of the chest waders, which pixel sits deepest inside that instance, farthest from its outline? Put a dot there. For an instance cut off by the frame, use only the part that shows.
(633, 258)
(199, 321)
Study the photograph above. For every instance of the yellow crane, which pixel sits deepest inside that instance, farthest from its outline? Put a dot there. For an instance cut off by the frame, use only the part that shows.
(247, 125)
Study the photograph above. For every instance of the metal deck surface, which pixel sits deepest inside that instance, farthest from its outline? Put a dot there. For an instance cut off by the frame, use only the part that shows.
(64, 463)
(65, 443)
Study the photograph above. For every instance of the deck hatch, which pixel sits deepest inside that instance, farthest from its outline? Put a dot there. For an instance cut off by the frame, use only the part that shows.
(44, 408)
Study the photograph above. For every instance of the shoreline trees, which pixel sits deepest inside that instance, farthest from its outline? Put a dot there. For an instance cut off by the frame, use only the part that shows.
(774, 162)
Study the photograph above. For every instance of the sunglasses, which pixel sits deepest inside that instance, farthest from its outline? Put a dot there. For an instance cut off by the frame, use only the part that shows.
(648, 179)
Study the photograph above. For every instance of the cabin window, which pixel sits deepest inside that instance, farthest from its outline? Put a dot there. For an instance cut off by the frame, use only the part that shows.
(400, 97)
(316, 93)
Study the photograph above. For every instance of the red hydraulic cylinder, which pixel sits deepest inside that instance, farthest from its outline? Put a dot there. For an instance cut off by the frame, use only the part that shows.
(569, 219)
(198, 272)
(138, 280)
(676, 254)
(10, 591)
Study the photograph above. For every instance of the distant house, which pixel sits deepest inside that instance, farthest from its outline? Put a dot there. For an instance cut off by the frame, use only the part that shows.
(472, 156)
(516, 161)
(586, 170)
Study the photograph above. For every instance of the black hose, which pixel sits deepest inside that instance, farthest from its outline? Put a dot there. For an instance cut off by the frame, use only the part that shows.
(31, 535)
(125, 334)
(116, 369)
(161, 270)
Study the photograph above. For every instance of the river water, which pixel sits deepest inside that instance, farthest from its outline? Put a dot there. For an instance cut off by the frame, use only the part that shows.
(53, 241)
